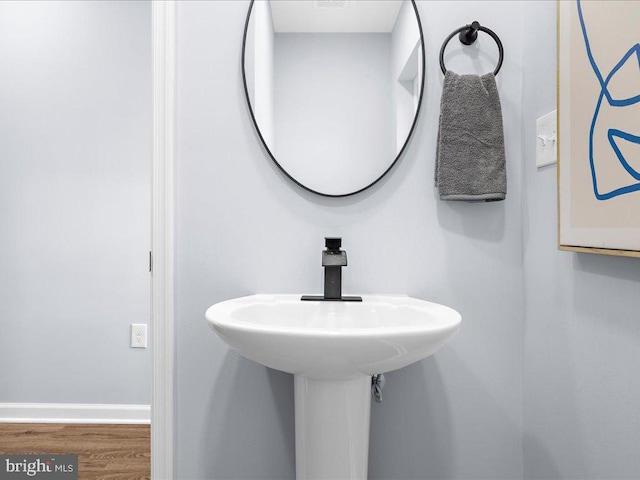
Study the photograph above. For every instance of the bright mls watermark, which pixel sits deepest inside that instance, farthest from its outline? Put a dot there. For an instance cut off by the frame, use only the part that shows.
(51, 467)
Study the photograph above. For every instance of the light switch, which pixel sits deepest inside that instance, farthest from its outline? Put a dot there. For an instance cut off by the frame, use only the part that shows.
(546, 139)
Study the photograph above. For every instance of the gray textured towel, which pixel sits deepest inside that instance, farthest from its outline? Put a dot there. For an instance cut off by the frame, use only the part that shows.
(470, 158)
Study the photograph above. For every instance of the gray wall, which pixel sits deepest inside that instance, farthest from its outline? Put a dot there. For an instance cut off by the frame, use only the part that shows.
(75, 153)
(244, 228)
(582, 318)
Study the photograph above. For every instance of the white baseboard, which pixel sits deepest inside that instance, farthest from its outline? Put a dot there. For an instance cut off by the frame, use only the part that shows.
(74, 413)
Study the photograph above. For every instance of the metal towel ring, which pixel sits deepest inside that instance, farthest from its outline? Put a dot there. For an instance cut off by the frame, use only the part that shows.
(468, 35)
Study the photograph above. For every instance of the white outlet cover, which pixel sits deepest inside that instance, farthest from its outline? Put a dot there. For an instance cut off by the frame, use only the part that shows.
(546, 139)
(138, 335)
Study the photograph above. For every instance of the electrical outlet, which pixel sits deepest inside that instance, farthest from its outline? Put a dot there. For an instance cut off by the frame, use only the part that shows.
(138, 335)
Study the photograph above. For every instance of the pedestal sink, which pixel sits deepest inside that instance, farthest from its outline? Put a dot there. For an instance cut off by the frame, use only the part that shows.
(333, 349)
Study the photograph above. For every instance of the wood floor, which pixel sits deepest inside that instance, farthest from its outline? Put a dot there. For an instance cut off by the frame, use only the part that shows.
(105, 452)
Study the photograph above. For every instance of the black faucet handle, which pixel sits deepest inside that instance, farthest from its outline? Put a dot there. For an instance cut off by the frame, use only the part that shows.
(333, 244)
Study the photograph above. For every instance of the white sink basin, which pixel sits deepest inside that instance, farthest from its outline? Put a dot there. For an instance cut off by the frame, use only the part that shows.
(333, 348)
(332, 340)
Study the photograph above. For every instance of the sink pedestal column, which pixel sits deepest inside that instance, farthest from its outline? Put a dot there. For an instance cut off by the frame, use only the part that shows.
(332, 428)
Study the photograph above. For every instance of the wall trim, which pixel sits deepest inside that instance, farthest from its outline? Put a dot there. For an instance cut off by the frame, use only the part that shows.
(74, 413)
(162, 241)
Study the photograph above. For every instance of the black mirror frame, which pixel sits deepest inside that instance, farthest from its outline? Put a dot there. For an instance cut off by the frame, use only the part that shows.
(273, 158)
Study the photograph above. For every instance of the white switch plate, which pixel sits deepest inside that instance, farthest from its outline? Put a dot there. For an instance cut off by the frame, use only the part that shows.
(546, 139)
(139, 335)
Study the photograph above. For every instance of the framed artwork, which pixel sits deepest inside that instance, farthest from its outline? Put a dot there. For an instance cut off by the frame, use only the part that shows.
(599, 126)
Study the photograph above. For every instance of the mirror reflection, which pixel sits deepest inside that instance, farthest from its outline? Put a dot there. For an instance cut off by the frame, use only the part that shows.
(334, 87)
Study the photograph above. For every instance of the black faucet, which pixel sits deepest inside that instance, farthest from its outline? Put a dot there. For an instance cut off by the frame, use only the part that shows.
(333, 259)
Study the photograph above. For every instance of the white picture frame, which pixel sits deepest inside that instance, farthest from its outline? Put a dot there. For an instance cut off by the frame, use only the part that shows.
(599, 127)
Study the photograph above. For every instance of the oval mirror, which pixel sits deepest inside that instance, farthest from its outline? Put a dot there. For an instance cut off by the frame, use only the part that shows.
(334, 87)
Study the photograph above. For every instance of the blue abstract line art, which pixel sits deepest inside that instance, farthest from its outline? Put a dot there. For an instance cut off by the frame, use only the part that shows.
(614, 135)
